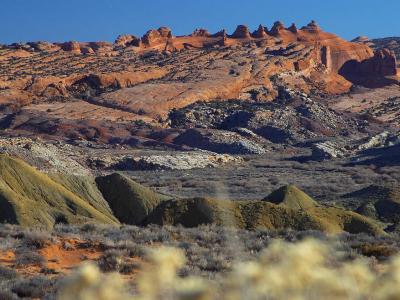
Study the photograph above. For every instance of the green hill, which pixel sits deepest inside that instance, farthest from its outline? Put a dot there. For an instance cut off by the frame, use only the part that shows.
(292, 197)
(259, 214)
(31, 198)
(130, 202)
(379, 202)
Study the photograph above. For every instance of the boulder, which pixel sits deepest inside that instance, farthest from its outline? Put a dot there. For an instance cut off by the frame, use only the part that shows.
(384, 139)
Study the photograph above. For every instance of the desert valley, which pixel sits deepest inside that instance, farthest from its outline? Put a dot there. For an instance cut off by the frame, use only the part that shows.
(217, 144)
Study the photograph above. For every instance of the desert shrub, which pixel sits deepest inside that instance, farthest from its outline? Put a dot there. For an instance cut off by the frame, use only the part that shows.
(89, 284)
(35, 287)
(48, 271)
(129, 267)
(8, 295)
(7, 273)
(303, 270)
(7, 230)
(27, 257)
(36, 239)
(89, 227)
(111, 260)
(136, 250)
(380, 251)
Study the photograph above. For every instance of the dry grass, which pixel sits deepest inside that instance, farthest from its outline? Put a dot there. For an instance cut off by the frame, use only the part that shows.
(211, 254)
(306, 270)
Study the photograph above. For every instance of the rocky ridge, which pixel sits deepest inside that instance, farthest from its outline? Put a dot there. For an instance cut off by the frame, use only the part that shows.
(148, 76)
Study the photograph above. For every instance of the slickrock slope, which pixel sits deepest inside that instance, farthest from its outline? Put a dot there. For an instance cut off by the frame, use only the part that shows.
(144, 78)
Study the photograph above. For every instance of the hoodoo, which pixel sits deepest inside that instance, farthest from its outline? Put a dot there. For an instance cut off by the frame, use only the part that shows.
(260, 33)
(241, 32)
(277, 28)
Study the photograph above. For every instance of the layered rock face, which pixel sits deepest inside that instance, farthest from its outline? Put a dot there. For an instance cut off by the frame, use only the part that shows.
(147, 77)
(373, 72)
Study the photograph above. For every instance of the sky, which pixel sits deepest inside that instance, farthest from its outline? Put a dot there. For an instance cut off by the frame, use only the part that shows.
(104, 20)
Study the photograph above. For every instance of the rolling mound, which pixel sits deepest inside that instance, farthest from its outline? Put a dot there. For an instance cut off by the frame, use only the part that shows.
(130, 202)
(31, 198)
(294, 210)
(292, 197)
(379, 202)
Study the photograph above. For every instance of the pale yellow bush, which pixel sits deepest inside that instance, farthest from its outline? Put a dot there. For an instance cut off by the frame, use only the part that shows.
(306, 270)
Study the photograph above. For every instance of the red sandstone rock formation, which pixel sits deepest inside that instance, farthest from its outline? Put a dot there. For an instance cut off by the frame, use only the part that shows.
(293, 28)
(157, 37)
(277, 28)
(383, 63)
(200, 32)
(241, 32)
(71, 47)
(261, 32)
(312, 27)
(127, 40)
(165, 32)
(237, 66)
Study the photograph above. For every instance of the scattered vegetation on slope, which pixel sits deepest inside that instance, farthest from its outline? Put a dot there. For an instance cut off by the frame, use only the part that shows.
(291, 209)
(31, 198)
(130, 201)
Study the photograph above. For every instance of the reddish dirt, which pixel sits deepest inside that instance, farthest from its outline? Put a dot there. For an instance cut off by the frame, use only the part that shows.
(56, 257)
(63, 260)
(63, 257)
(7, 257)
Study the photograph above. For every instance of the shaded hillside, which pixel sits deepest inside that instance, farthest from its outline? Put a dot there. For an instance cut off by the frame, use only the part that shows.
(130, 202)
(29, 197)
(391, 43)
(379, 202)
(297, 212)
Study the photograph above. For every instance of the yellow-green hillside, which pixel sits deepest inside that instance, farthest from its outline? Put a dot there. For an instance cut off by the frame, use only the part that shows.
(292, 197)
(29, 197)
(130, 202)
(263, 214)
